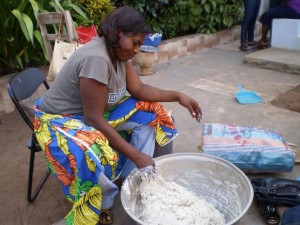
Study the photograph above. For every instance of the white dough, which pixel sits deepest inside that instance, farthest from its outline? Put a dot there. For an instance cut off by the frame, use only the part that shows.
(165, 202)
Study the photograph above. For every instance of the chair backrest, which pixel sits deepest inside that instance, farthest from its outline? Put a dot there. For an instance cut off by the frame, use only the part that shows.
(55, 18)
(22, 86)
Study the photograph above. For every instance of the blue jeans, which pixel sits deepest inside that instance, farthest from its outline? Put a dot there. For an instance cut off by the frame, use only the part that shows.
(284, 11)
(143, 139)
(291, 216)
(250, 17)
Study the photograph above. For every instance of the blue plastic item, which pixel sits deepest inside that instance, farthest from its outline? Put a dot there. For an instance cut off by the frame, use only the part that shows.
(155, 41)
(247, 97)
(147, 48)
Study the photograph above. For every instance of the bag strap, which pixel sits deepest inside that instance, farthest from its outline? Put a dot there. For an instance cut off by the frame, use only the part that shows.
(77, 38)
(60, 27)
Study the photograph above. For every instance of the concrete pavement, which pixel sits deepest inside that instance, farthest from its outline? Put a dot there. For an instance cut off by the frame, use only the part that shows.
(275, 58)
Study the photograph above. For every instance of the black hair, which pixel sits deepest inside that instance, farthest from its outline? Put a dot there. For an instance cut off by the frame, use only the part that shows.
(125, 19)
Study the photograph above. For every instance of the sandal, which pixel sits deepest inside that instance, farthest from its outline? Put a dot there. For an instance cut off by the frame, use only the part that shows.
(105, 217)
(263, 45)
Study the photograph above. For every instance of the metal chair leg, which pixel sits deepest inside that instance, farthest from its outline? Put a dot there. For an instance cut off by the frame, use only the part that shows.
(31, 196)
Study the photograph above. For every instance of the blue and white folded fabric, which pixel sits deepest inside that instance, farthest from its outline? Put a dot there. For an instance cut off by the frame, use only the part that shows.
(252, 149)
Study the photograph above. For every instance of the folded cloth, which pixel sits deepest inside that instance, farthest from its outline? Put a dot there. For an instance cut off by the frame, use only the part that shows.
(252, 149)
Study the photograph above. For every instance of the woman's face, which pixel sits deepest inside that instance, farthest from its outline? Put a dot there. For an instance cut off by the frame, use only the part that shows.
(129, 46)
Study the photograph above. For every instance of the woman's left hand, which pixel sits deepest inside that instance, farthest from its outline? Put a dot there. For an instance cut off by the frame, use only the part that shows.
(192, 105)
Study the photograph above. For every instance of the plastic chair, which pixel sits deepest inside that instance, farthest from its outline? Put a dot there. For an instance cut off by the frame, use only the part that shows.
(22, 87)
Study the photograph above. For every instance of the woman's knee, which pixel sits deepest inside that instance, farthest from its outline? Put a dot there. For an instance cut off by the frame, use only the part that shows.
(266, 18)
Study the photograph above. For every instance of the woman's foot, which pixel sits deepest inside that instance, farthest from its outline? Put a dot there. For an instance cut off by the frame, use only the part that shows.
(105, 217)
(262, 45)
(119, 182)
(244, 47)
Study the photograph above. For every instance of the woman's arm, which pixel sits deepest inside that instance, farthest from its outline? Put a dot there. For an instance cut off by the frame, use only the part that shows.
(144, 92)
(93, 96)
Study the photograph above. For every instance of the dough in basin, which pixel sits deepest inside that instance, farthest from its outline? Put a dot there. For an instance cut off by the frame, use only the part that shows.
(164, 202)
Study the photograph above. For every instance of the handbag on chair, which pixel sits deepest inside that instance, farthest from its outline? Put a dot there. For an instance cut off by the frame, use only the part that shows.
(61, 52)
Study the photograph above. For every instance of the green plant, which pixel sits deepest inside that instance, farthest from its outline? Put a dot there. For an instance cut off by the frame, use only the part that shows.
(218, 14)
(96, 10)
(175, 19)
(21, 44)
(178, 17)
(21, 40)
(77, 11)
(232, 12)
(170, 18)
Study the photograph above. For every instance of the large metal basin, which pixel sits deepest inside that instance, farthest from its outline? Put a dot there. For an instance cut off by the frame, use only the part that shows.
(216, 180)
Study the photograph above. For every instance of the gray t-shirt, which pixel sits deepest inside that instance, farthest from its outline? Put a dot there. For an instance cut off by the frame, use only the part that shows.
(90, 61)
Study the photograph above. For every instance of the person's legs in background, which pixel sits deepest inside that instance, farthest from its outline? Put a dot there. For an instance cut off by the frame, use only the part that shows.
(266, 21)
(283, 11)
(251, 9)
(264, 34)
(252, 23)
(244, 25)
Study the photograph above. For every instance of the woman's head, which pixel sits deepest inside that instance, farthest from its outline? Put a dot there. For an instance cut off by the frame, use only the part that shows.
(125, 20)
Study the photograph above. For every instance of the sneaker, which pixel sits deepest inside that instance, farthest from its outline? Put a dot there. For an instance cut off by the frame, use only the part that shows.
(244, 47)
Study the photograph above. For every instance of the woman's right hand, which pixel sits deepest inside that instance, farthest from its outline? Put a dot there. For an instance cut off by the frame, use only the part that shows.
(142, 160)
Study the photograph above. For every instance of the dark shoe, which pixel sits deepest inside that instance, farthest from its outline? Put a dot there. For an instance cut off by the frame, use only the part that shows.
(244, 48)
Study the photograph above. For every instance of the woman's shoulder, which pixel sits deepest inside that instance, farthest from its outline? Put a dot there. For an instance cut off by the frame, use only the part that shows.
(94, 49)
(96, 42)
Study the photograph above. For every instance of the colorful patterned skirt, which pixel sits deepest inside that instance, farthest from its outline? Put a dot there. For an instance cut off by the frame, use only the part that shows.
(77, 154)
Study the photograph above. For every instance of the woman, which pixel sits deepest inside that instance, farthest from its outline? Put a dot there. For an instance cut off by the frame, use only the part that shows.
(78, 119)
(251, 9)
(288, 10)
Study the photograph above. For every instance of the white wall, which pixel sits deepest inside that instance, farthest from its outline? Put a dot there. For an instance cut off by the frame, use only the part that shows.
(286, 34)
(263, 7)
